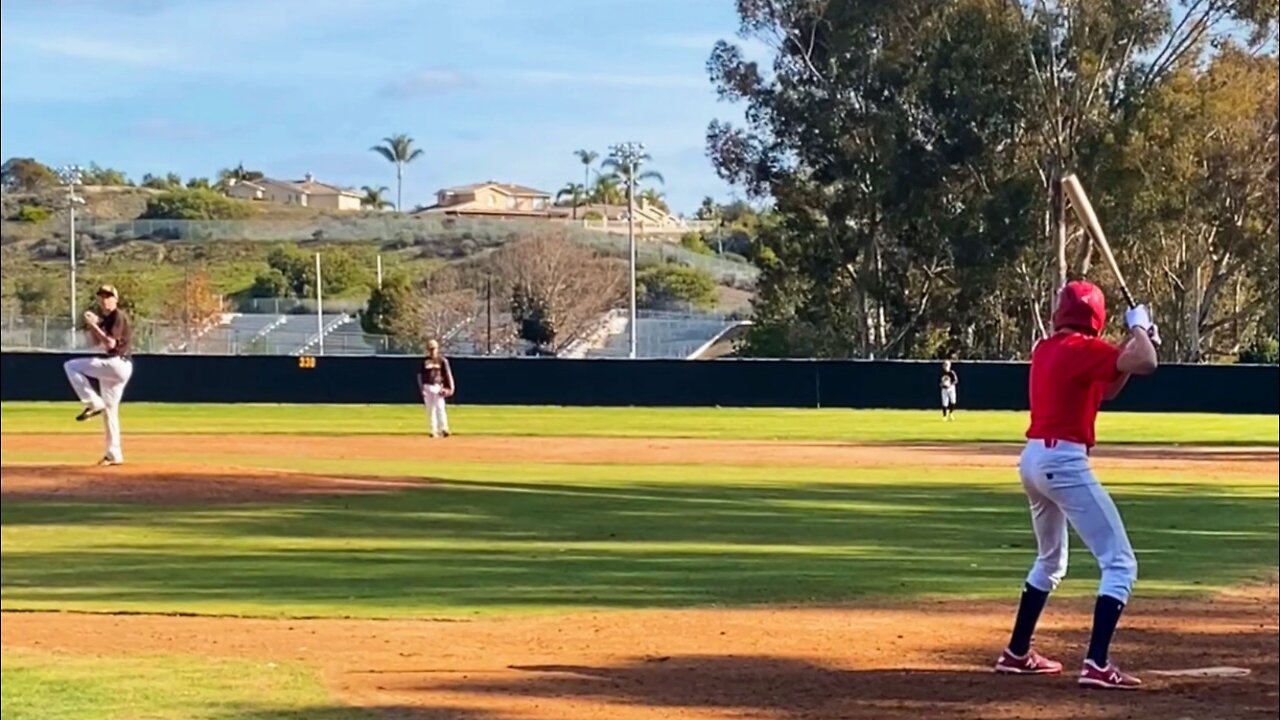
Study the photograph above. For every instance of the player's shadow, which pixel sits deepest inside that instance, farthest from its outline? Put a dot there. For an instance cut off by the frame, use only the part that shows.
(795, 689)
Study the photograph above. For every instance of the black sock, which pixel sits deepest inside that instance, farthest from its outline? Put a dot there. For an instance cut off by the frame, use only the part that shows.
(944, 411)
(1029, 609)
(1106, 615)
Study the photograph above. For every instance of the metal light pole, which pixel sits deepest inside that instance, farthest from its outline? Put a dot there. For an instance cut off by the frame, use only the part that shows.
(70, 176)
(319, 307)
(629, 156)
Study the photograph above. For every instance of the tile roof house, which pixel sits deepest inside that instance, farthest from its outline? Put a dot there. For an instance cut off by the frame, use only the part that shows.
(306, 192)
(492, 199)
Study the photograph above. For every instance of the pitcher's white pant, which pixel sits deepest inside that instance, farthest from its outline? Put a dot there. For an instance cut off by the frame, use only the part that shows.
(113, 374)
(1062, 489)
(433, 397)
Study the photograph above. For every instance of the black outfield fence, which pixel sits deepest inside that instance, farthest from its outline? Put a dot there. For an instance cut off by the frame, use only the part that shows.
(1253, 389)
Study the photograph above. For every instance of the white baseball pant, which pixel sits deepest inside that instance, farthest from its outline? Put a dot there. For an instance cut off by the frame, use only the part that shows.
(112, 374)
(949, 396)
(1062, 489)
(433, 398)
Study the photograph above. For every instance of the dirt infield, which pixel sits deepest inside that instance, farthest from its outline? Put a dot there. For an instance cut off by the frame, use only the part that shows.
(928, 660)
(785, 664)
(645, 451)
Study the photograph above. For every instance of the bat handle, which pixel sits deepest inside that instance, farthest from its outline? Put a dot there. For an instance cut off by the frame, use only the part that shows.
(1128, 297)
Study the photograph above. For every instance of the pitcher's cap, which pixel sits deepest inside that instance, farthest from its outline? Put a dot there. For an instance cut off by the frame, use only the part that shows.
(108, 290)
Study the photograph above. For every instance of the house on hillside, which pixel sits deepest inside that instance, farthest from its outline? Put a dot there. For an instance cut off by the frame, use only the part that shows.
(306, 192)
(493, 199)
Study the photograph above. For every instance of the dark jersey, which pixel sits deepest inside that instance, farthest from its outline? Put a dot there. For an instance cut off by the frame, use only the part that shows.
(435, 371)
(949, 379)
(116, 326)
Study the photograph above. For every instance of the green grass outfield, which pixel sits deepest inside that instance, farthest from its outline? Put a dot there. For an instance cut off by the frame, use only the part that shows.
(45, 686)
(518, 537)
(711, 423)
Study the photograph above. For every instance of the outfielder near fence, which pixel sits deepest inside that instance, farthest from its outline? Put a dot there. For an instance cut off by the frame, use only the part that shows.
(1234, 389)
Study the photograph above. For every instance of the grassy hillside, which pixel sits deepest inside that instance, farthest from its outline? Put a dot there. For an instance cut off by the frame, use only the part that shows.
(148, 257)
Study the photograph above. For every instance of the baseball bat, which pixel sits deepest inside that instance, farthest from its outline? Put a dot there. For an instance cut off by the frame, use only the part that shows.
(1084, 211)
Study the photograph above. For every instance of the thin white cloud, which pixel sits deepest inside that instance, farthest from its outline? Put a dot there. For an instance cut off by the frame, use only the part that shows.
(619, 80)
(97, 50)
(427, 82)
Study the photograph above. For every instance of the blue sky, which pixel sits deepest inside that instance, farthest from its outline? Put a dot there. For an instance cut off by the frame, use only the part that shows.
(490, 89)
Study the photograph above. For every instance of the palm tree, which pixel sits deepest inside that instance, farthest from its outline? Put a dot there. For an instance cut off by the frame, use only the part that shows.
(623, 171)
(373, 197)
(607, 190)
(586, 157)
(654, 198)
(708, 210)
(398, 149)
(576, 193)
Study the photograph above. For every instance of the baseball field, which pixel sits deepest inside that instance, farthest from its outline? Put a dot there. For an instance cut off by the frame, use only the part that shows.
(333, 563)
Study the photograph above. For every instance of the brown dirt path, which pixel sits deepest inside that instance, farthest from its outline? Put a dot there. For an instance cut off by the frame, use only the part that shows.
(1262, 460)
(783, 664)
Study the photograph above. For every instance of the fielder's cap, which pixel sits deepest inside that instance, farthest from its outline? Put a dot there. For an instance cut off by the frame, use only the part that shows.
(108, 291)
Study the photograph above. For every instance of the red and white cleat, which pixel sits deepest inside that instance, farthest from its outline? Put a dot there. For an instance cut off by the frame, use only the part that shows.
(1107, 678)
(1033, 663)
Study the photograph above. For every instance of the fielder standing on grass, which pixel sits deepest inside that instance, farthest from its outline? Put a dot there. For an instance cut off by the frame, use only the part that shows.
(947, 383)
(1072, 372)
(435, 383)
(113, 333)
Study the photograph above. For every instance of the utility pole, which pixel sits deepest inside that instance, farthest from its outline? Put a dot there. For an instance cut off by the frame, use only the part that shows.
(319, 308)
(629, 155)
(71, 176)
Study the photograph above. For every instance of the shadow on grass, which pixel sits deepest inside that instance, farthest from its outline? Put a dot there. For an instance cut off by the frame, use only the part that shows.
(616, 543)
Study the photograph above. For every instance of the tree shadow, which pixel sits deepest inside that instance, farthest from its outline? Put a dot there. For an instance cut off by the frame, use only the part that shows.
(611, 543)
(792, 689)
(381, 712)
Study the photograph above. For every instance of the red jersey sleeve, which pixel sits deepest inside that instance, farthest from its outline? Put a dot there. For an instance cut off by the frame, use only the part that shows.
(1100, 361)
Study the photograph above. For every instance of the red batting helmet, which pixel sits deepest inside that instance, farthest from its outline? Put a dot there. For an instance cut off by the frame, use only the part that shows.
(1081, 306)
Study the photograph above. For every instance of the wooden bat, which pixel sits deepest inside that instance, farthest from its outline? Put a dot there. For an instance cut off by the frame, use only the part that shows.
(1084, 211)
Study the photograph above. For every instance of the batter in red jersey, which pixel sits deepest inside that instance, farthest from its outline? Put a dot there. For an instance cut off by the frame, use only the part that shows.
(1072, 372)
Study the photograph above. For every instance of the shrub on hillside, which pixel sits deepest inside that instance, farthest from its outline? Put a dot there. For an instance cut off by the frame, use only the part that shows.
(292, 272)
(32, 214)
(196, 204)
(1263, 351)
(668, 284)
(270, 283)
(694, 242)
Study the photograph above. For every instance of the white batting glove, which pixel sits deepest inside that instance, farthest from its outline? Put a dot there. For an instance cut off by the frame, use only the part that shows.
(1138, 317)
(1153, 332)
